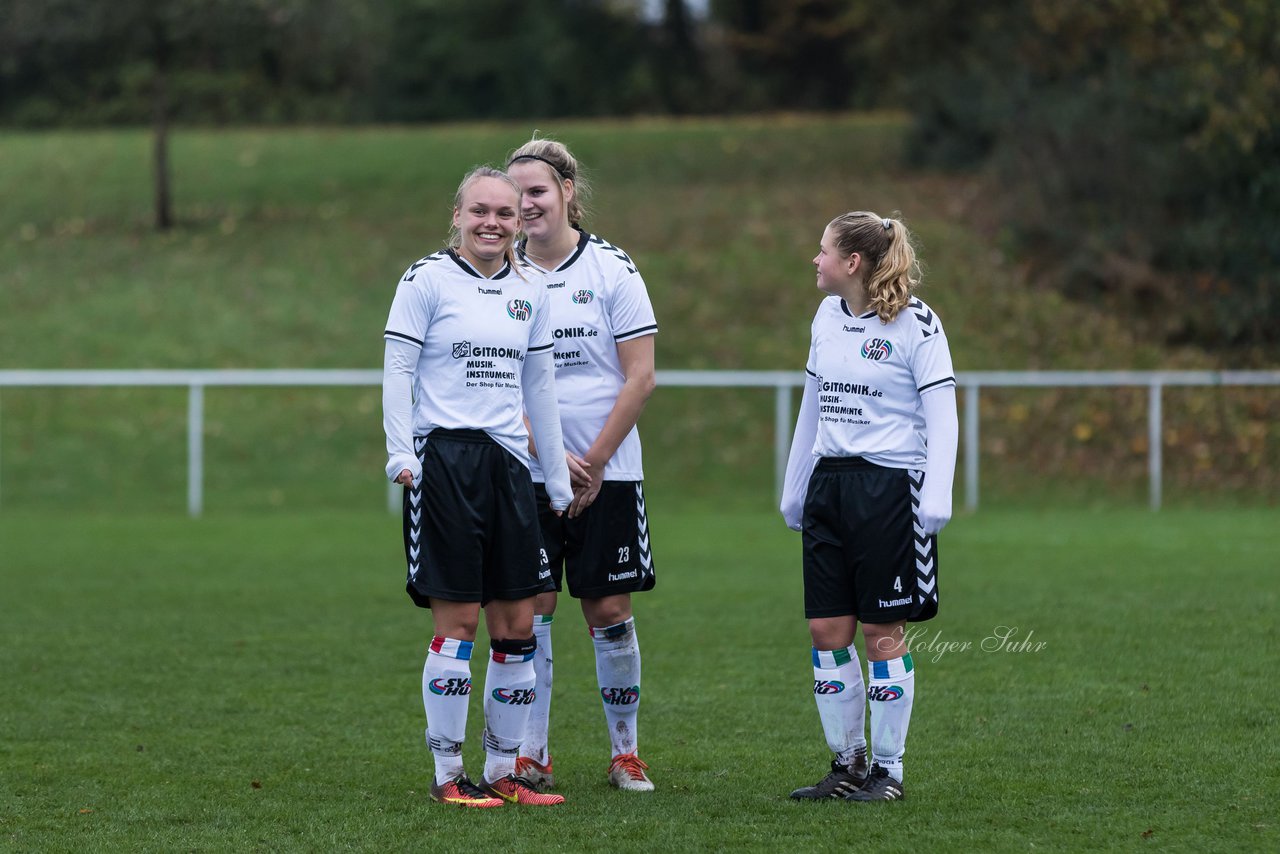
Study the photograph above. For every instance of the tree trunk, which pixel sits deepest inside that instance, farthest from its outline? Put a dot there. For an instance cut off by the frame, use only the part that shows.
(160, 132)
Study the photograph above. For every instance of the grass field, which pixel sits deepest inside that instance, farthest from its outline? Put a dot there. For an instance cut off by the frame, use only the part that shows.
(251, 682)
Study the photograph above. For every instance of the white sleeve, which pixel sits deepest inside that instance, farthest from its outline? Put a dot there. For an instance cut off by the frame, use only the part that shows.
(942, 435)
(399, 361)
(800, 461)
(538, 379)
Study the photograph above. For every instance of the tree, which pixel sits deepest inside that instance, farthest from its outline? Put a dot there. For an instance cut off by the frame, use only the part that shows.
(1135, 143)
(157, 61)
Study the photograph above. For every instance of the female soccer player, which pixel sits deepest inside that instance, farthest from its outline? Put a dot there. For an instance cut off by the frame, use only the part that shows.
(604, 329)
(869, 483)
(468, 345)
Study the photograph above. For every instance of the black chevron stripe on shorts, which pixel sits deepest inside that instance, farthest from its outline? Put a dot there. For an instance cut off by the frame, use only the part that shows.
(925, 604)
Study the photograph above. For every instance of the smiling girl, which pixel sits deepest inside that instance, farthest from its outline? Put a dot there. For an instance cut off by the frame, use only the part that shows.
(468, 350)
(604, 331)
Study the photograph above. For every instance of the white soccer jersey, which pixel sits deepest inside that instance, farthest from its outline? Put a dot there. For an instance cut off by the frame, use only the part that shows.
(870, 376)
(597, 299)
(473, 334)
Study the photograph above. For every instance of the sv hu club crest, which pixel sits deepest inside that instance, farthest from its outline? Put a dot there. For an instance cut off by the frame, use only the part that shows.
(583, 296)
(876, 349)
(520, 309)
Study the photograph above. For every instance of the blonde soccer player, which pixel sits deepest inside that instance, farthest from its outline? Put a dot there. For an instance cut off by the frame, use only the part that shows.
(604, 329)
(468, 353)
(868, 483)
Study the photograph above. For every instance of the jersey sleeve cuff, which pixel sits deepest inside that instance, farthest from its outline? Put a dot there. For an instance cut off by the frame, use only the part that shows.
(400, 336)
(945, 381)
(651, 329)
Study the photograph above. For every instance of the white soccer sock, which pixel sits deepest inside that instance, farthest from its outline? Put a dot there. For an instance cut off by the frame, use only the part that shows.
(891, 689)
(536, 733)
(618, 674)
(838, 691)
(446, 690)
(508, 693)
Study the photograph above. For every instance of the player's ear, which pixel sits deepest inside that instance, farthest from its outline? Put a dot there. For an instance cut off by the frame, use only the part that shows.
(853, 262)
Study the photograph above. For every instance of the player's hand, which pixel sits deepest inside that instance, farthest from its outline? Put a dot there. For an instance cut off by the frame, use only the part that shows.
(584, 497)
(935, 513)
(793, 516)
(579, 470)
(405, 478)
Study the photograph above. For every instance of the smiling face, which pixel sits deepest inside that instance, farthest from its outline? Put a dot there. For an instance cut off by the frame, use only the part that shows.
(487, 219)
(544, 200)
(836, 275)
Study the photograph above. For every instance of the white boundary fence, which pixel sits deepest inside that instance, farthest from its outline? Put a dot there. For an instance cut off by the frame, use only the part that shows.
(782, 382)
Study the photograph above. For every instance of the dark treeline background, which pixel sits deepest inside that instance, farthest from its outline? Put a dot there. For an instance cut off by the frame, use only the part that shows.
(1132, 146)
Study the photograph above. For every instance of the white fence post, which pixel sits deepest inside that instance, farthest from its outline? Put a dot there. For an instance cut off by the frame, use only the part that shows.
(195, 450)
(971, 446)
(1155, 441)
(781, 437)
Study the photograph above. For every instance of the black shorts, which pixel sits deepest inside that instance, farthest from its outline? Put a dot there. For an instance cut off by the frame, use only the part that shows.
(864, 551)
(471, 526)
(605, 551)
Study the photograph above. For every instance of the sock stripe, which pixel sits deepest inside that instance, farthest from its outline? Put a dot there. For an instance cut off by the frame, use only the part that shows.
(512, 657)
(452, 647)
(828, 659)
(894, 668)
(612, 632)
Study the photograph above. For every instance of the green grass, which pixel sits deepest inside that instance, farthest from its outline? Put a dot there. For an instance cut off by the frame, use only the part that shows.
(253, 683)
(291, 241)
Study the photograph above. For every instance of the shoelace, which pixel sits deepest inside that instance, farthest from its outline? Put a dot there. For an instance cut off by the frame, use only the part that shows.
(522, 781)
(632, 764)
(470, 789)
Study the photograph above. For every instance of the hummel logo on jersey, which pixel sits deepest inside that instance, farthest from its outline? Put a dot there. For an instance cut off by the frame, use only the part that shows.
(514, 696)
(855, 329)
(884, 693)
(583, 296)
(462, 349)
(520, 309)
(827, 686)
(453, 687)
(494, 291)
(620, 696)
(876, 349)
(553, 285)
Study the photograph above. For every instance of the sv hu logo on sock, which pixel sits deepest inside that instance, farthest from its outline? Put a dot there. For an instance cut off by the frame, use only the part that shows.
(620, 696)
(884, 693)
(827, 686)
(514, 696)
(452, 687)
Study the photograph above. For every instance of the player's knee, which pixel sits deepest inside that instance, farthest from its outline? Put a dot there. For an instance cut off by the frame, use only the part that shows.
(832, 633)
(609, 611)
(886, 639)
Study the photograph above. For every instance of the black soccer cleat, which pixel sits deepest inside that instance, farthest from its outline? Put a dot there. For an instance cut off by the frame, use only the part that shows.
(842, 782)
(879, 786)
